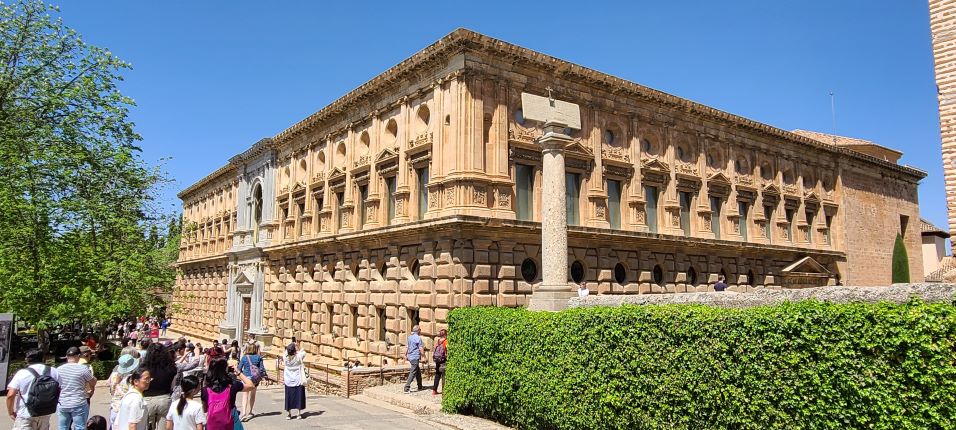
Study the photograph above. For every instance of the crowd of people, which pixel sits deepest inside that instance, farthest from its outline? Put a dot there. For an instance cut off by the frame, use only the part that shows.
(173, 385)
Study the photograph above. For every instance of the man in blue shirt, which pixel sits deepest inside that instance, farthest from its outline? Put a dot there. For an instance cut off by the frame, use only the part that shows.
(414, 352)
(721, 284)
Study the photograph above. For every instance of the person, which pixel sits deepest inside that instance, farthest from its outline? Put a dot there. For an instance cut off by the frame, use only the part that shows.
(154, 332)
(186, 413)
(219, 396)
(119, 380)
(414, 352)
(76, 386)
(162, 369)
(91, 342)
(18, 393)
(357, 364)
(234, 350)
(439, 356)
(164, 325)
(254, 368)
(213, 353)
(295, 380)
(132, 410)
(142, 348)
(96, 422)
(583, 290)
(720, 285)
(86, 354)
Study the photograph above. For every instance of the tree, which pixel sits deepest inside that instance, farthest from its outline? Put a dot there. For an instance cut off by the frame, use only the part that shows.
(901, 262)
(76, 199)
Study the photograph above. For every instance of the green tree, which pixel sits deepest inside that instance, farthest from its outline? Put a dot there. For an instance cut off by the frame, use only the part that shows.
(76, 200)
(901, 261)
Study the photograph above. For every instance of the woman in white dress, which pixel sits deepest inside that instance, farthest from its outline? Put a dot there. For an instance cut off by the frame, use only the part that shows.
(295, 380)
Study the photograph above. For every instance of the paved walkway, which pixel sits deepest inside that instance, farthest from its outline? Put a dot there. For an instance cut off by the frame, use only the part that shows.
(323, 412)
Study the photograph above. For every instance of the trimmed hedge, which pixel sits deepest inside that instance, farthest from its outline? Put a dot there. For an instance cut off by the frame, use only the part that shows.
(792, 366)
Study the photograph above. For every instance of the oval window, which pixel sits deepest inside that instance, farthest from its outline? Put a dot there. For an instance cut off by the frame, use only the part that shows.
(519, 116)
(658, 275)
(620, 274)
(609, 137)
(529, 270)
(577, 272)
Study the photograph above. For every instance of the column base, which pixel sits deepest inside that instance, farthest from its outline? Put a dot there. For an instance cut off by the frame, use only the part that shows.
(227, 330)
(549, 300)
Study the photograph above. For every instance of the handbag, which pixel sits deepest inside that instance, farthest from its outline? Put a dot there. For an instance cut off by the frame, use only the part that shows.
(256, 375)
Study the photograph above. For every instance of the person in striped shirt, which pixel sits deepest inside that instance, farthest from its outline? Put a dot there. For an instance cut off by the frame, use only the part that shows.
(76, 387)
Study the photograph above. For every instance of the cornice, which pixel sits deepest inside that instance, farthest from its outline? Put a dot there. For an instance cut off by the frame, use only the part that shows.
(206, 180)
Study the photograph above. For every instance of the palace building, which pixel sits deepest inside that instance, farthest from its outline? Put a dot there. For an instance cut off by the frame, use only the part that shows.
(420, 191)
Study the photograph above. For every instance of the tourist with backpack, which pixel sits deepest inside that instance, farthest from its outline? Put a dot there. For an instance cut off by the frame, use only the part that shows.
(76, 387)
(440, 356)
(253, 367)
(132, 410)
(219, 396)
(33, 394)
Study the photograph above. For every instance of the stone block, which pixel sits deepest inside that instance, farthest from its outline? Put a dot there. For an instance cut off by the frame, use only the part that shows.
(482, 300)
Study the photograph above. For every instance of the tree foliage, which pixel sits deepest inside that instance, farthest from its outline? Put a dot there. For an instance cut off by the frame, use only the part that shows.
(901, 261)
(76, 199)
(807, 365)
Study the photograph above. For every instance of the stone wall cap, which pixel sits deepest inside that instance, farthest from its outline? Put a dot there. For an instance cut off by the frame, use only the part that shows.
(896, 293)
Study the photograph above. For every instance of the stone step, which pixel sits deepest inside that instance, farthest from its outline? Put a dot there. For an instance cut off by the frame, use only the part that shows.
(416, 402)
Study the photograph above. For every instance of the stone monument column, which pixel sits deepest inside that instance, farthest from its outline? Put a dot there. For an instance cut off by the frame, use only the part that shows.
(554, 292)
(556, 117)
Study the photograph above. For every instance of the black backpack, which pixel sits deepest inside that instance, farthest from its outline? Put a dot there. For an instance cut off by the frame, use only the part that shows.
(44, 393)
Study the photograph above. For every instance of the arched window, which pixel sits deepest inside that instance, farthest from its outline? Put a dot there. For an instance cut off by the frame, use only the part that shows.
(691, 276)
(391, 130)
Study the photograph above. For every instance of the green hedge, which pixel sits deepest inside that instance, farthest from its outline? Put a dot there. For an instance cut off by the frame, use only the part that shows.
(792, 366)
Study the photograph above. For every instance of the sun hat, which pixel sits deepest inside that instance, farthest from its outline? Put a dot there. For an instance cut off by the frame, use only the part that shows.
(127, 364)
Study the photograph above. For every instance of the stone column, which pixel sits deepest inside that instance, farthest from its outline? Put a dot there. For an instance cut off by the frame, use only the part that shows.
(554, 292)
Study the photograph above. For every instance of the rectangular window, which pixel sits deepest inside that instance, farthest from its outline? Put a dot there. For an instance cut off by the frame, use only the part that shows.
(411, 319)
(319, 204)
(829, 220)
(768, 225)
(685, 202)
(904, 221)
(614, 204)
(422, 191)
(789, 215)
(743, 208)
(301, 207)
(715, 216)
(340, 216)
(650, 195)
(524, 191)
(353, 327)
(573, 193)
(363, 194)
(390, 200)
(809, 215)
(380, 316)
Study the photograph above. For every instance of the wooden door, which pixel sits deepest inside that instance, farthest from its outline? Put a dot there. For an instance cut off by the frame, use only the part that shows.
(246, 310)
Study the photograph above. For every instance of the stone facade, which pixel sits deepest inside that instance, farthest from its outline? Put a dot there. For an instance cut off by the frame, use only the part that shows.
(420, 191)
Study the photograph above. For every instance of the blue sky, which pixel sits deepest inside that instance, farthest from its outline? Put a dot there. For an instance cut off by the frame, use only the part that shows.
(211, 78)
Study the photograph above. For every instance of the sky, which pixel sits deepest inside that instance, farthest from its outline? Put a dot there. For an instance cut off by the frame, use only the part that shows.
(211, 78)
